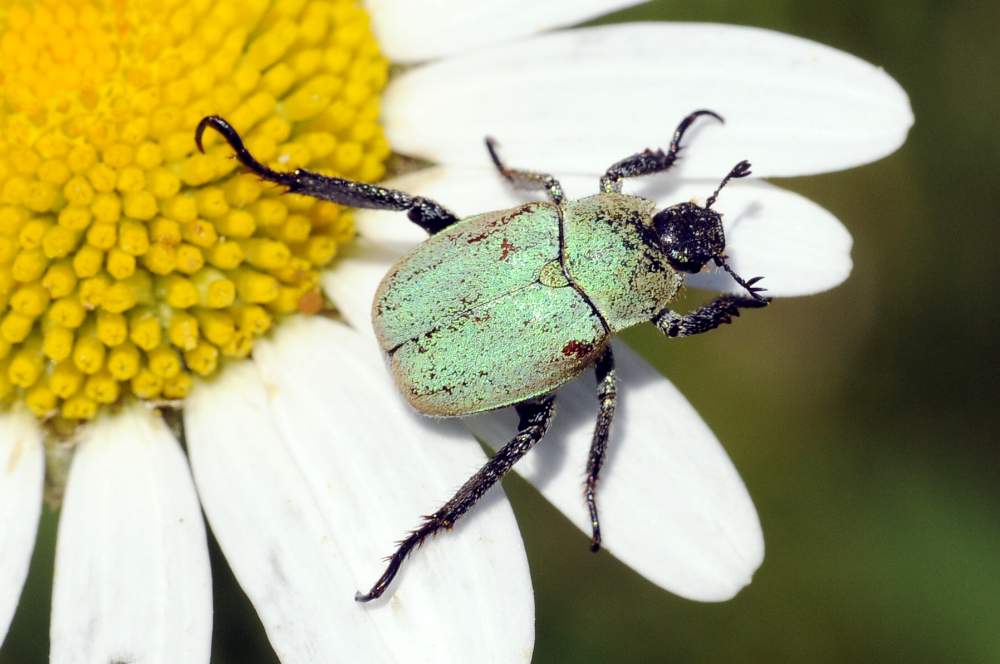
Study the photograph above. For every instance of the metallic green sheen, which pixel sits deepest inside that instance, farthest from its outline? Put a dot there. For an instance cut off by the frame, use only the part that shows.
(609, 254)
(474, 261)
(509, 305)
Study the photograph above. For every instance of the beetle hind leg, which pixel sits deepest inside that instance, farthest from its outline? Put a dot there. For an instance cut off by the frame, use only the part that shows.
(607, 396)
(427, 214)
(534, 419)
(528, 180)
(649, 161)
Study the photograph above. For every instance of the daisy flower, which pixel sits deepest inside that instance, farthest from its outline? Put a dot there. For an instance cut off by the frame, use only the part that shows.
(139, 278)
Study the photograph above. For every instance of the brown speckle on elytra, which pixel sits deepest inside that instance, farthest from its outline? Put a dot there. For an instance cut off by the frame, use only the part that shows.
(578, 348)
(507, 247)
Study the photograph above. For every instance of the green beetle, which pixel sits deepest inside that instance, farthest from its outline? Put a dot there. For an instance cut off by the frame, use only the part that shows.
(501, 308)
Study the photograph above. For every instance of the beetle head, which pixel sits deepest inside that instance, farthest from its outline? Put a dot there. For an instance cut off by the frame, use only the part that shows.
(691, 235)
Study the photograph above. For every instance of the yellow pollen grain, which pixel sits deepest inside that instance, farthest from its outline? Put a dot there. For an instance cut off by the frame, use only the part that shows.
(131, 180)
(15, 327)
(236, 224)
(163, 184)
(130, 262)
(200, 232)
(217, 326)
(59, 241)
(189, 259)
(256, 287)
(182, 331)
(93, 289)
(28, 265)
(165, 231)
(118, 297)
(26, 365)
(88, 353)
(177, 387)
(68, 312)
(87, 261)
(287, 300)
(145, 330)
(102, 388)
(75, 218)
(65, 380)
(164, 361)
(112, 328)
(106, 208)
(59, 279)
(239, 346)
(266, 254)
(226, 255)
(133, 238)
(102, 235)
(253, 320)
(79, 408)
(179, 292)
(57, 343)
(215, 290)
(124, 361)
(120, 264)
(41, 400)
(32, 233)
(160, 259)
(30, 300)
(203, 359)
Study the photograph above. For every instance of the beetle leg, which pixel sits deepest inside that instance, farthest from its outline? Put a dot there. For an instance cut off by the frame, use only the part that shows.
(607, 397)
(649, 161)
(529, 180)
(427, 214)
(718, 312)
(535, 417)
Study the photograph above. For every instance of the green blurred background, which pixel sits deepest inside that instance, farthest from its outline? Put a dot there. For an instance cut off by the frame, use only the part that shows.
(865, 425)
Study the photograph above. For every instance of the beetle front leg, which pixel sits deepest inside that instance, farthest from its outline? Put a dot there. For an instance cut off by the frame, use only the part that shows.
(427, 214)
(528, 180)
(718, 312)
(649, 161)
(535, 417)
(607, 396)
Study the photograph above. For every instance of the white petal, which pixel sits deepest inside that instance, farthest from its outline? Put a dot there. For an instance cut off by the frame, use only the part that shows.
(578, 101)
(132, 579)
(672, 506)
(22, 470)
(410, 31)
(310, 468)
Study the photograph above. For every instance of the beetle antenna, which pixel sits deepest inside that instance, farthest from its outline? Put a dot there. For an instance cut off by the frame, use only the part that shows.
(755, 292)
(740, 170)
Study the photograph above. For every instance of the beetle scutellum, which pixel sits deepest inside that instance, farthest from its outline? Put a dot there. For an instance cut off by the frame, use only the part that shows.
(533, 294)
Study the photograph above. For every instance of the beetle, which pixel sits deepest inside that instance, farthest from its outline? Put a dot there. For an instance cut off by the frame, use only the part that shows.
(501, 308)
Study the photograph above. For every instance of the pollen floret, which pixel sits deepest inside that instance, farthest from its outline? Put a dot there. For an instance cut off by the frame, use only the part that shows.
(129, 262)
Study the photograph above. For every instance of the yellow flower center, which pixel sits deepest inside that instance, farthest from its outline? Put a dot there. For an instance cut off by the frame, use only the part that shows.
(130, 262)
